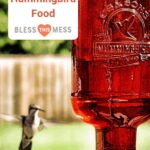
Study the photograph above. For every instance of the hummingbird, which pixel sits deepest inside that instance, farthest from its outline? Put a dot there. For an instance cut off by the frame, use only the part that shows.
(30, 124)
(121, 30)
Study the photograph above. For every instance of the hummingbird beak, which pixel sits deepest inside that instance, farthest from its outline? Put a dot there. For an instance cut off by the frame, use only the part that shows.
(41, 110)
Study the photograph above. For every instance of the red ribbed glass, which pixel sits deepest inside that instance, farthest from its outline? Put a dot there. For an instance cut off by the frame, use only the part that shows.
(111, 69)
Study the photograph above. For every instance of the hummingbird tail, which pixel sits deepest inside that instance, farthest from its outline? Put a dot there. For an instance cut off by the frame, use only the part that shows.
(28, 147)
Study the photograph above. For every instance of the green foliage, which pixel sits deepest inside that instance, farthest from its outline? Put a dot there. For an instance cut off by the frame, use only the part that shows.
(8, 46)
(4, 1)
(3, 22)
(5, 40)
(44, 47)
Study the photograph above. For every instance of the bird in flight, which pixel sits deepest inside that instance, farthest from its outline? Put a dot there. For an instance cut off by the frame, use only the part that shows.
(30, 124)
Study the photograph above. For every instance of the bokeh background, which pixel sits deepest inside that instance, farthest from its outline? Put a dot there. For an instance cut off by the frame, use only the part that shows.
(40, 72)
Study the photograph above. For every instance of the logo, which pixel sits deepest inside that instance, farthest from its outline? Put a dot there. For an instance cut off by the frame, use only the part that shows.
(124, 25)
(44, 30)
(43, 19)
(124, 29)
(124, 21)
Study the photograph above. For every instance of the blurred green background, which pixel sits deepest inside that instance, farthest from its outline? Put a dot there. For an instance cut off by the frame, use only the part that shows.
(8, 46)
(73, 136)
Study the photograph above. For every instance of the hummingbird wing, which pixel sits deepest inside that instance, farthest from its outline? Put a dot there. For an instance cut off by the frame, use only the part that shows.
(47, 123)
(10, 118)
(127, 25)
